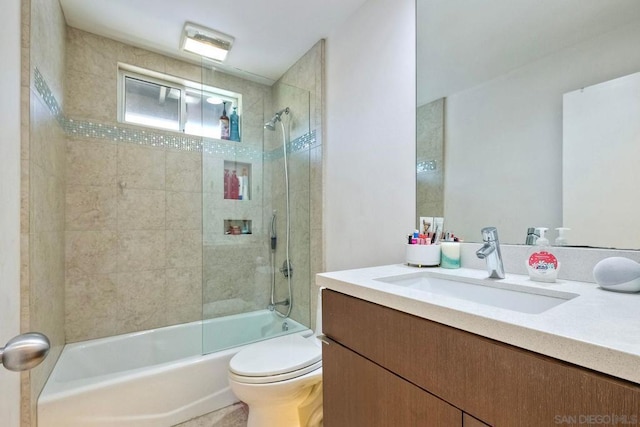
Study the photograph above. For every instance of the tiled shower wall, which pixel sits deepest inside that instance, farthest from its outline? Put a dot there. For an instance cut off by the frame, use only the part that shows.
(302, 89)
(134, 234)
(134, 200)
(430, 159)
(43, 184)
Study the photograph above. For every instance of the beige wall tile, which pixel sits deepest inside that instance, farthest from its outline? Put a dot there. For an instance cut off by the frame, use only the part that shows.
(47, 139)
(141, 250)
(142, 58)
(25, 206)
(25, 121)
(141, 209)
(184, 295)
(91, 163)
(91, 96)
(184, 211)
(142, 300)
(184, 248)
(90, 207)
(141, 167)
(46, 306)
(184, 171)
(91, 305)
(88, 53)
(183, 70)
(46, 203)
(91, 252)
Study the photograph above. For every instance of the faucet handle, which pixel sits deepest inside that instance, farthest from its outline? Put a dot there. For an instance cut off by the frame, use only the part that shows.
(489, 234)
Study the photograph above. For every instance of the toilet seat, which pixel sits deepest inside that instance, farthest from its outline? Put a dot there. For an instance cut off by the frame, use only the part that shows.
(274, 360)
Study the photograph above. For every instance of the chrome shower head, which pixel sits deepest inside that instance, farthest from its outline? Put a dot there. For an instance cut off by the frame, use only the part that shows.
(271, 124)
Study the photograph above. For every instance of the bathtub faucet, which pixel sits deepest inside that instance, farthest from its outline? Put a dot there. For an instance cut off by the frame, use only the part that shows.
(490, 251)
(272, 306)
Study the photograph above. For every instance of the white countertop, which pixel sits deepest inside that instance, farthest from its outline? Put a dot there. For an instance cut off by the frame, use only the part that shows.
(598, 329)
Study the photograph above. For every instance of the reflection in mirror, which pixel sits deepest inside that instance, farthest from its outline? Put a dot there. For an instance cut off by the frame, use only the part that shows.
(503, 67)
(429, 158)
(601, 134)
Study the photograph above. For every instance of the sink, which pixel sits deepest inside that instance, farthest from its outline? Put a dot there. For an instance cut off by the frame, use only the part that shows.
(501, 294)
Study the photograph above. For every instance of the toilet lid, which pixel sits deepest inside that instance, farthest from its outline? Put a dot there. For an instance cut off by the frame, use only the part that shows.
(276, 356)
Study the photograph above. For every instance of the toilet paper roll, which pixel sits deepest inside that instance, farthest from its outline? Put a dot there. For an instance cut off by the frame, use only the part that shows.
(618, 274)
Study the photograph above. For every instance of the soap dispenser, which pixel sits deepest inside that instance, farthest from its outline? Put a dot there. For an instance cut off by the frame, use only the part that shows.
(542, 264)
(561, 240)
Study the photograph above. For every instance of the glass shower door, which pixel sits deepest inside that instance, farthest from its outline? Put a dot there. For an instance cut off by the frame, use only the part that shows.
(243, 184)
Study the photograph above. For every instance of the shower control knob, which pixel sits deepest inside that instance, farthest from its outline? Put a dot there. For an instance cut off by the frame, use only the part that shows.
(25, 351)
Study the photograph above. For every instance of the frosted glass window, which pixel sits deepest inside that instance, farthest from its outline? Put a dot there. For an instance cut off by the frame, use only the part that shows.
(152, 104)
(203, 111)
(151, 99)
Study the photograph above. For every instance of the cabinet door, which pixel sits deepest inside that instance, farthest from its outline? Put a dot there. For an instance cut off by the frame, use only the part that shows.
(469, 421)
(359, 393)
(495, 382)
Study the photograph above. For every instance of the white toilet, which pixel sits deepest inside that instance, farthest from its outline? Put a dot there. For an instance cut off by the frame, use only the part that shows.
(281, 381)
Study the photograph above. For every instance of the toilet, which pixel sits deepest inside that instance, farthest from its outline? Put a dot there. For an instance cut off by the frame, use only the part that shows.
(280, 379)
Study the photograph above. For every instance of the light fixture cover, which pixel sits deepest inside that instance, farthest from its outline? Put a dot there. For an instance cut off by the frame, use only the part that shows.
(206, 42)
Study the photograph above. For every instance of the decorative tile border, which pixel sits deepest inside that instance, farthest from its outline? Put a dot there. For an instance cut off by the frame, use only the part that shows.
(47, 96)
(426, 166)
(302, 143)
(152, 138)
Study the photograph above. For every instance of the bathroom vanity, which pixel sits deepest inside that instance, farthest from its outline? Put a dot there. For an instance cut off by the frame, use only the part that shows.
(400, 353)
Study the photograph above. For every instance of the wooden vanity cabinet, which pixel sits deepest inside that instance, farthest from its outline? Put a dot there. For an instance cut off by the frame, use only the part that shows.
(360, 393)
(383, 367)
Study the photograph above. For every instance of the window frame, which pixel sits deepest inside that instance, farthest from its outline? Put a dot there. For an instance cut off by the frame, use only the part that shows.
(184, 86)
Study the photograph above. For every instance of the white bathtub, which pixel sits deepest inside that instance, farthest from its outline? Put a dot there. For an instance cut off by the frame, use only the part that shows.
(152, 378)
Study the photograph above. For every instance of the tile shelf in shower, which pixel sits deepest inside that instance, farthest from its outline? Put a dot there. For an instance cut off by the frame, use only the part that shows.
(237, 227)
(237, 180)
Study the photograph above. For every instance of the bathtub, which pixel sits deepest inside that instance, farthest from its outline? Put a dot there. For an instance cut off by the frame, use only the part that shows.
(154, 378)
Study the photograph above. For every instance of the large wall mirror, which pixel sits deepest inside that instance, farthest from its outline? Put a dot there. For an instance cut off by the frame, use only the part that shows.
(494, 85)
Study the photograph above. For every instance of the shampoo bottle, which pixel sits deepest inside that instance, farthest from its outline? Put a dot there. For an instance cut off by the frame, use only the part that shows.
(234, 120)
(224, 122)
(542, 265)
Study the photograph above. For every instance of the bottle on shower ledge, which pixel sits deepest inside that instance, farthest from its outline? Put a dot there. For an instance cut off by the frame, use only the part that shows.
(224, 122)
(234, 125)
(234, 190)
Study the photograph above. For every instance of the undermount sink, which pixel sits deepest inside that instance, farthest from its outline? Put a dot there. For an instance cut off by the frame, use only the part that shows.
(519, 298)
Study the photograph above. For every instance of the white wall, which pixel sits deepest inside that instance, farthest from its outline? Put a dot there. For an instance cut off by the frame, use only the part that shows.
(10, 203)
(503, 155)
(369, 201)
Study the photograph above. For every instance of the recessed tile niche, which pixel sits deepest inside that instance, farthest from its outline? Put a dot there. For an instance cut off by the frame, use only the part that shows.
(237, 180)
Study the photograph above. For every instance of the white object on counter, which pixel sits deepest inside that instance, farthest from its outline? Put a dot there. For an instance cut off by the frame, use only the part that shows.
(618, 274)
(423, 255)
(450, 255)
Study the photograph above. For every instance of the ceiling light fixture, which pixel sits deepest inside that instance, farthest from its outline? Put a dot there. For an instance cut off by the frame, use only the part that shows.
(206, 42)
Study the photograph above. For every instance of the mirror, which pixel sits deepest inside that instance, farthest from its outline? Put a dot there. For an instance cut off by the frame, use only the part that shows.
(491, 77)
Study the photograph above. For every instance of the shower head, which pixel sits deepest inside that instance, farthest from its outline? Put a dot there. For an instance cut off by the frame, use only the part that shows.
(271, 124)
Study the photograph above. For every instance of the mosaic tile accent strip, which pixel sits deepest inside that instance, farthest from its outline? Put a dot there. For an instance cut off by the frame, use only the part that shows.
(47, 96)
(124, 134)
(302, 143)
(426, 166)
(117, 133)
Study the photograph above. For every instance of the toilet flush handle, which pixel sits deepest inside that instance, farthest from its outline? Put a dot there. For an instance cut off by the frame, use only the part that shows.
(323, 338)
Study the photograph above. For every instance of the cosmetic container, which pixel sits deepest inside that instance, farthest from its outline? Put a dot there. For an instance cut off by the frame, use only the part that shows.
(450, 255)
(423, 255)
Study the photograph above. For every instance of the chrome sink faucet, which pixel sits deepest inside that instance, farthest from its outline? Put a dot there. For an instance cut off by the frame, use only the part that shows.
(491, 252)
